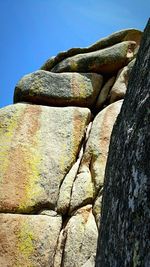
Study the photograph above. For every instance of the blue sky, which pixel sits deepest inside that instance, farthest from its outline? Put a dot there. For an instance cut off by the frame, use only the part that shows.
(31, 31)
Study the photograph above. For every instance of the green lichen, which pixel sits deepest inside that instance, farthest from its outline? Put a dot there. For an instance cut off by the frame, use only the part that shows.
(32, 188)
(83, 88)
(74, 66)
(25, 243)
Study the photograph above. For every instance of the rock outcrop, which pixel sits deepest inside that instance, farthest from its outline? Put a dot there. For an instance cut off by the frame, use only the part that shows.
(53, 149)
(46, 88)
(125, 222)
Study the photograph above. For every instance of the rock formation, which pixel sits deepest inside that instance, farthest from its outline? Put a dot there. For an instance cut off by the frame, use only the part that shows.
(53, 149)
(125, 222)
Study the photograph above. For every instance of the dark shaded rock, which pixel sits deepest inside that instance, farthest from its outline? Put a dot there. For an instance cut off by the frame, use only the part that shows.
(105, 61)
(125, 224)
(47, 88)
(117, 37)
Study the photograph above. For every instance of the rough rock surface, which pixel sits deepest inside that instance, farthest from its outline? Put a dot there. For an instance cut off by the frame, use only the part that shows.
(117, 37)
(119, 88)
(46, 88)
(105, 61)
(125, 223)
(52, 159)
(38, 146)
(104, 92)
(28, 240)
(82, 230)
(91, 172)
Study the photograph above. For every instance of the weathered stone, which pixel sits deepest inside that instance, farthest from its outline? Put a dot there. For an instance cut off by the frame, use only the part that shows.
(58, 259)
(28, 240)
(120, 86)
(117, 37)
(64, 89)
(97, 208)
(91, 172)
(66, 187)
(38, 146)
(81, 238)
(83, 190)
(125, 222)
(105, 61)
(104, 92)
(63, 204)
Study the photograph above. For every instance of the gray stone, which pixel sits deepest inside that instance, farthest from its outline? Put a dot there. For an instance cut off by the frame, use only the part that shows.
(117, 37)
(46, 88)
(105, 61)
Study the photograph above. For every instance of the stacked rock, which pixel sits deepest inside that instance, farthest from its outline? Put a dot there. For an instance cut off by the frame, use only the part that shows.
(53, 149)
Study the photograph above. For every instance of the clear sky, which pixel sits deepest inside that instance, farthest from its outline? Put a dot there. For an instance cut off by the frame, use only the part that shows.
(31, 31)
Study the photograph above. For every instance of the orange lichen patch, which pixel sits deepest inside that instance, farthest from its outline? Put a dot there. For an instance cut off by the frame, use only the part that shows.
(107, 123)
(79, 127)
(30, 125)
(14, 180)
(24, 159)
(75, 85)
(8, 241)
(17, 241)
(85, 212)
(33, 159)
(8, 124)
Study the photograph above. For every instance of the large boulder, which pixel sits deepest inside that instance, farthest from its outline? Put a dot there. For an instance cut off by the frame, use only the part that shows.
(38, 146)
(125, 222)
(105, 61)
(117, 37)
(46, 88)
(28, 240)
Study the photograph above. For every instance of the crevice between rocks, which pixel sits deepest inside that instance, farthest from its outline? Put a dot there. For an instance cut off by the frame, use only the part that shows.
(78, 161)
(86, 137)
(79, 153)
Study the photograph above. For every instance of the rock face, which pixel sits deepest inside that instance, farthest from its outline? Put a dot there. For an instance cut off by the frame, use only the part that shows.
(30, 240)
(124, 231)
(117, 37)
(105, 61)
(90, 176)
(38, 145)
(48, 88)
(53, 152)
